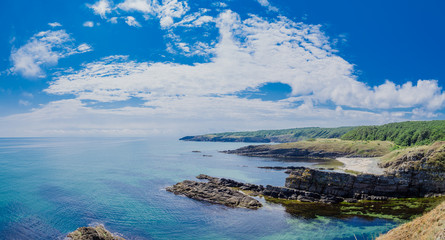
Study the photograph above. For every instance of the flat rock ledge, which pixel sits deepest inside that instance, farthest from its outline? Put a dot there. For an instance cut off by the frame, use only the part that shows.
(93, 233)
(215, 187)
(213, 192)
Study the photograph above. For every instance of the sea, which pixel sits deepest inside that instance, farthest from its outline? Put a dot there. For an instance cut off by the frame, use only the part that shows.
(52, 186)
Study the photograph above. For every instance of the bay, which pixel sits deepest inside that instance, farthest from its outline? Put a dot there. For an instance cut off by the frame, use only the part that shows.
(51, 186)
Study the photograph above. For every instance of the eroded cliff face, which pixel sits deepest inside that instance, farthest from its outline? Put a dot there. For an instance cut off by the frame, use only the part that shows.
(395, 184)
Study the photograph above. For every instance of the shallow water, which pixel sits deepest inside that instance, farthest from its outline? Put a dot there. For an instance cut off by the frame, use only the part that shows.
(51, 186)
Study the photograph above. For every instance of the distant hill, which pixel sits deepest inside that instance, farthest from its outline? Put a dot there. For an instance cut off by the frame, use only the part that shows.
(283, 135)
(402, 133)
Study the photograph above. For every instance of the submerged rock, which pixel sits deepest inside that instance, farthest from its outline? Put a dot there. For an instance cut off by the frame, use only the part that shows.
(213, 192)
(92, 233)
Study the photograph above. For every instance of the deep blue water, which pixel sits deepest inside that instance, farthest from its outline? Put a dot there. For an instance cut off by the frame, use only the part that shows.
(51, 186)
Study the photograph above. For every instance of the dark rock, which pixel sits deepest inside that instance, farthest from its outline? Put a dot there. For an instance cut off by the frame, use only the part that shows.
(364, 186)
(279, 168)
(192, 189)
(92, 233)
(214, 192)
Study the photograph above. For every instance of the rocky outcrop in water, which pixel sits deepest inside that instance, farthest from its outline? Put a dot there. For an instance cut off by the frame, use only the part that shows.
(92, 233)
(220, 190)
(214, 193)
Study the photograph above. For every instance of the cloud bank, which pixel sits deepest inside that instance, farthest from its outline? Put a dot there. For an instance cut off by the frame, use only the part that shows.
(117, 95)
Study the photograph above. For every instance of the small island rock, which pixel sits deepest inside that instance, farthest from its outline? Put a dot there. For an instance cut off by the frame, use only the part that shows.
(93, 233)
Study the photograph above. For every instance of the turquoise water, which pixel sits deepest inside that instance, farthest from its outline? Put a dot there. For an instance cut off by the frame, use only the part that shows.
(51, 186)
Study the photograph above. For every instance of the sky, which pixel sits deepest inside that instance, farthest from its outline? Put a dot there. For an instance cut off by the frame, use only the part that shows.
(187, 67)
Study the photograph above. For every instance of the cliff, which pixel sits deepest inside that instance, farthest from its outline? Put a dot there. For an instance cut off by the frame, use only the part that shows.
(365, 186)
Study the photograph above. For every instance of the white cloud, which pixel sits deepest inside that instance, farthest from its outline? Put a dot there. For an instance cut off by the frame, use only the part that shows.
(174, 117)
(88, 24)
(195, 19)
(43, 49)
(220, 4)
(102, 8)
(266, 3)
(282, 51)
(84, 48)
(113, 20)
(166, 11)
(55, 24)
(187, 99)
(144, 6)
(131, 21)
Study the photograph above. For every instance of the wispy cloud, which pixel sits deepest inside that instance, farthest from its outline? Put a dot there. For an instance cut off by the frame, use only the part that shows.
(266, 3)
(131, 21)
(55, 24)
(101, 8)
(166, 11)
(88, 24)
(44, 49)
(24, 102)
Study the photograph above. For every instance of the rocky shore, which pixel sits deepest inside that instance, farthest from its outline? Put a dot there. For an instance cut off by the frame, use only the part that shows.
(310, 185)
(214, 191)
(412, 172)
(93, 233)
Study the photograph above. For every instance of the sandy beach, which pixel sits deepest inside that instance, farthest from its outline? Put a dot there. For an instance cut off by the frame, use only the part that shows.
(363, 165)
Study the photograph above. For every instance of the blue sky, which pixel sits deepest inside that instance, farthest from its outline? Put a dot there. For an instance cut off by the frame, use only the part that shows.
(181, 67)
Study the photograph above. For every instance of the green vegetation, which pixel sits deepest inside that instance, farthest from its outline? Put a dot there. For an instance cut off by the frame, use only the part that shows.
(414, 133)
(402, 134)
(428, 226)
(342, 147)
(399, 209)
(283, 135)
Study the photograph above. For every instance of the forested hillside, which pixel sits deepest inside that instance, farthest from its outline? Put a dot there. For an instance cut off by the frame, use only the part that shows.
(283, 135)
(402, 134)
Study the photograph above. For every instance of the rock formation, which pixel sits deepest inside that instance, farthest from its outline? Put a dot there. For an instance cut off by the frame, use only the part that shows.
(92, 233)
(214, 193)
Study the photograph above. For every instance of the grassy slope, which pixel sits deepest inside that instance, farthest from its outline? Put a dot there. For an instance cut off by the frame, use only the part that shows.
(429, 226)
(433, 155)
(362, 148)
